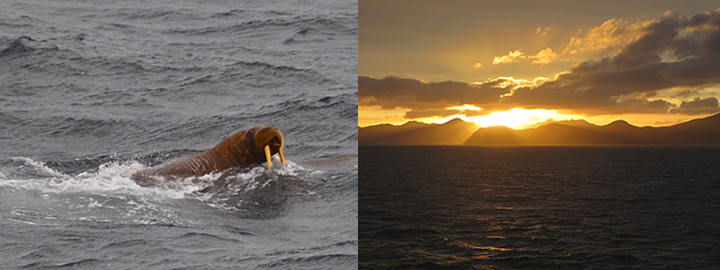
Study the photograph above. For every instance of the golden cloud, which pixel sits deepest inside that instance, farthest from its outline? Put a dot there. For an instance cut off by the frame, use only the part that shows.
(545, 31)
(626, 82)
(544, 56)
(511, 57)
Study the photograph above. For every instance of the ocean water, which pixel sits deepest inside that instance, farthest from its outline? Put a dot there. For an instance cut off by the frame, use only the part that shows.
(445, 207)
(93, 91)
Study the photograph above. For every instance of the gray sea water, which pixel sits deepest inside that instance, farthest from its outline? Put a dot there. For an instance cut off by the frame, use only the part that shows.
(93, 91)
(456, 207)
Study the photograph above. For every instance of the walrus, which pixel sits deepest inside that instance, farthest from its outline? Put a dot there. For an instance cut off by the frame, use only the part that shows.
(242, 149)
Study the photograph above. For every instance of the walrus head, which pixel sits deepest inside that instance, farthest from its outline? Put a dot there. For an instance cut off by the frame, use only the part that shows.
(269, 140)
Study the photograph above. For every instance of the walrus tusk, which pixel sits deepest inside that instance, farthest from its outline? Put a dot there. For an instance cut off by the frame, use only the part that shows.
(282, 157)
(267, 156)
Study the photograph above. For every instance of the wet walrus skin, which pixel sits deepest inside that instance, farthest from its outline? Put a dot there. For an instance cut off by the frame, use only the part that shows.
(242, 149)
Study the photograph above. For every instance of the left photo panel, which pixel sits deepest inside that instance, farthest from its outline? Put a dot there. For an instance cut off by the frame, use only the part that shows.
(179, 134)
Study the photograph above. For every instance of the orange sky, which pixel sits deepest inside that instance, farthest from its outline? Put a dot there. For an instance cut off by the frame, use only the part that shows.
(519, 63)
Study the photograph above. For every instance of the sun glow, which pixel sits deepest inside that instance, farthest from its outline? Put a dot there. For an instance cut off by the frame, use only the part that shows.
(517, 118)
(465, 107)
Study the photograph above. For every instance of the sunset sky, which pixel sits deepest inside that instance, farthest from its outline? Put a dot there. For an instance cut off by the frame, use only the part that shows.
(519, 63)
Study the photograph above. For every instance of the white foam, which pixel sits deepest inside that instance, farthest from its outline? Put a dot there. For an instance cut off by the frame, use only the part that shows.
(112, 181)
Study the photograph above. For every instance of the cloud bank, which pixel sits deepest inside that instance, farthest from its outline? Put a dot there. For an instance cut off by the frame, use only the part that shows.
(667, 53)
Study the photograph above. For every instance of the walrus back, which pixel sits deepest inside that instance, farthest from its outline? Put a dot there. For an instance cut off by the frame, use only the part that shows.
(194, 165)
(236, 151)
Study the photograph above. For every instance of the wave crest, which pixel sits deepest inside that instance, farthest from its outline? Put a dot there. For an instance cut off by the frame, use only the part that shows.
(253, 192)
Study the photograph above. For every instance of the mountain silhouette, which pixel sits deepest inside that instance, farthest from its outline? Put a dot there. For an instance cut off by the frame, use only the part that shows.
(453, 132)
(705, 131)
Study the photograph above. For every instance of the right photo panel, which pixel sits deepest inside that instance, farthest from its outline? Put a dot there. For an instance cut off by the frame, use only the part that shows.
(539, 134)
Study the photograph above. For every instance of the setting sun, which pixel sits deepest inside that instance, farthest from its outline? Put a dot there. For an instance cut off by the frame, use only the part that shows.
(515, 118)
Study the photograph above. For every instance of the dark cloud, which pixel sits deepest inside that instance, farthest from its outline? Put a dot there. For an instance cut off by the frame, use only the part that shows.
(611, 85)
(422, 97)
(604, 86)
(698, 106)
(693, 71)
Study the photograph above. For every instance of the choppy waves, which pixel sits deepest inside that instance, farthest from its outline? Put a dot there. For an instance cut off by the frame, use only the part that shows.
(107, 191)
(93, 92)
(73, 98)
(538, 207)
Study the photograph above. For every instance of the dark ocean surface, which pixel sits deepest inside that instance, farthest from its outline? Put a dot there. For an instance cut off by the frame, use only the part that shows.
(93, 91)
(445, 207)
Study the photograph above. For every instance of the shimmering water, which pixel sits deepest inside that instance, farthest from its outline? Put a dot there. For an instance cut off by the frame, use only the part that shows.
(435, 207)
(93, 91)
